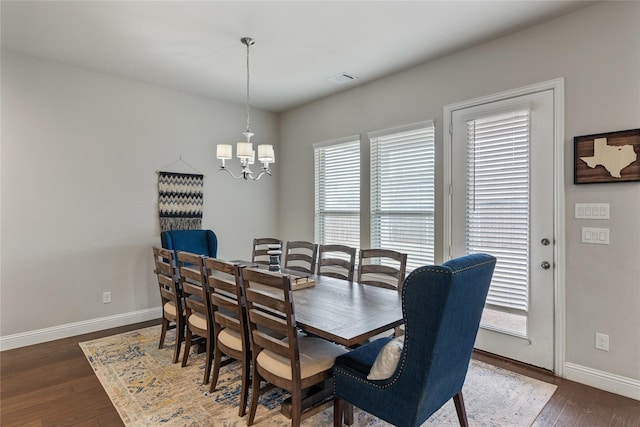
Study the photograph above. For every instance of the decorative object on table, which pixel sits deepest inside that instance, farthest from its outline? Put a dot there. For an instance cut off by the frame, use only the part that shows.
(260, 249)
(180, 200)
(274, 252)
(244, 150)
(147, 390)
(607, 157)
(301, 282)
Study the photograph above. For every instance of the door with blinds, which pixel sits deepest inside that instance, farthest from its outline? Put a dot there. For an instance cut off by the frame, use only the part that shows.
(502, 203)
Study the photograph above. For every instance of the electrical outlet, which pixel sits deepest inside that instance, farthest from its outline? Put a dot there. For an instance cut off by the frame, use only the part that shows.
(602, 341)
(106, 297)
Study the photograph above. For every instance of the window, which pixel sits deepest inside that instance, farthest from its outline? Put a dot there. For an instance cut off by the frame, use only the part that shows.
(337, 191)
(498, 202)
(402, 192)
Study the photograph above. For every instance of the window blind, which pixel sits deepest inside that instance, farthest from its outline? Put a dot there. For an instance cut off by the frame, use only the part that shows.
(498, 202)
(337, 193)
(402, 192)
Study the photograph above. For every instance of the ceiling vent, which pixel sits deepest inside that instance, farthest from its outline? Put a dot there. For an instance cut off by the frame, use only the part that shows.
(342, 78)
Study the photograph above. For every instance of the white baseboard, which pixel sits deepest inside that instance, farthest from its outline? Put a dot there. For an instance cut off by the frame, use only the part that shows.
(617, 384)
(78, 328)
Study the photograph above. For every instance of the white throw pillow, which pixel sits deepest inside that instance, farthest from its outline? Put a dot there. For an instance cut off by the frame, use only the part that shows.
(387, 360)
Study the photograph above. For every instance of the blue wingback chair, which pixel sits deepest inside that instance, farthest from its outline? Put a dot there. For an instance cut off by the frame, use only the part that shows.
(442, 306)
(201, 242)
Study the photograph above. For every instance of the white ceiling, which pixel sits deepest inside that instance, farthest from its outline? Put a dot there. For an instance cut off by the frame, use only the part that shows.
(195, 46)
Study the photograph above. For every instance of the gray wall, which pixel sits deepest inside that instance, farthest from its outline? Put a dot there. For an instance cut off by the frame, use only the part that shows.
(597, 51)
(80, 151)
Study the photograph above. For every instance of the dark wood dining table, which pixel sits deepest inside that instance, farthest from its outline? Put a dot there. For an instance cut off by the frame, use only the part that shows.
(346, 313)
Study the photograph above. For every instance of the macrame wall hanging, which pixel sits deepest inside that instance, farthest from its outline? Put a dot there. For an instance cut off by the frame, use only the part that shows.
(180, 200)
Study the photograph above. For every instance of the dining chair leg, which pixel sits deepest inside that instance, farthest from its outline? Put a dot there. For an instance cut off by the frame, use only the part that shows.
(255, 395)
(244, 392)
(217, 361)
(179, 340)
(296, 408)
(187, 348)
(462, 413)
(208, 361)
(163, 332)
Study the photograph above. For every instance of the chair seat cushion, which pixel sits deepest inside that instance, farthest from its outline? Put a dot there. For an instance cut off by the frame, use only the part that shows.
(198, 320)
(230, 338)
(387, 360)
(316, 355)
(362, 358)
(170, 308)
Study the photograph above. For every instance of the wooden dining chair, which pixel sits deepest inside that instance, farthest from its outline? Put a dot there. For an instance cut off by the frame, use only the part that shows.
(229, 322)
(171, 298)
(259, 253)
(384, 268)
(294, 363)
(336, 261)
(197, 312)
(301, 256)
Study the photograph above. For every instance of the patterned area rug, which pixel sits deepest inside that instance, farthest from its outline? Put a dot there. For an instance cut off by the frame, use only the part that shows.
(148, 390)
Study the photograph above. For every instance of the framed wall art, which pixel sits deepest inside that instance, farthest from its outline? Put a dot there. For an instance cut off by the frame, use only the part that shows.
(607, 157)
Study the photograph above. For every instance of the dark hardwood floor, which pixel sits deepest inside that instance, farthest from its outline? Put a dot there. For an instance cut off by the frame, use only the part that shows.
(52, 384)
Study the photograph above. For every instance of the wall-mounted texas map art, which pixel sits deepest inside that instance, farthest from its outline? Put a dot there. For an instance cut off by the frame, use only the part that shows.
(607, 157)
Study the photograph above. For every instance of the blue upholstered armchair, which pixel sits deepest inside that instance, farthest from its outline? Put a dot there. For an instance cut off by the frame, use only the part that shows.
(201, 242)
(442, 306)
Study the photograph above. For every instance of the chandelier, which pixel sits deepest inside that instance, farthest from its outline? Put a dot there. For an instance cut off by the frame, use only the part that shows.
(244, 150)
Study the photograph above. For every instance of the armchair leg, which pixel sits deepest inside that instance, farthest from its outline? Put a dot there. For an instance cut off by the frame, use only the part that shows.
(462, 413)
(337, 412)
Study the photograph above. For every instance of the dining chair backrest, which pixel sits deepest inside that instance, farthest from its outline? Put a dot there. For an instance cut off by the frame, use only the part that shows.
(197, 308)
(270, 309)
(229, 321)
(301, 256)
(336, 261)
(170, 296)
(259, 254)
(384, 268)
(201, 242)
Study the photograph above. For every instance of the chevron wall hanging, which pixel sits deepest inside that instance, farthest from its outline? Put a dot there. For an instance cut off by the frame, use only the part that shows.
(180, 201)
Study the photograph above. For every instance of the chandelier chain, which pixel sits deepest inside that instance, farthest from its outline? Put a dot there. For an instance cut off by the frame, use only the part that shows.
(248, 98)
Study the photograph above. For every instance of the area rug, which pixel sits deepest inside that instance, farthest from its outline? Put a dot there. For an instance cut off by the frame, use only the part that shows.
(148, 390)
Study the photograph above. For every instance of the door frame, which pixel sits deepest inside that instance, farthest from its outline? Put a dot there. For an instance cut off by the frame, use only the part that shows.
(557, 86)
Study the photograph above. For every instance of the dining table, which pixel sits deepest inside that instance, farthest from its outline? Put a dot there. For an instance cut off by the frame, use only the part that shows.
(347, 313)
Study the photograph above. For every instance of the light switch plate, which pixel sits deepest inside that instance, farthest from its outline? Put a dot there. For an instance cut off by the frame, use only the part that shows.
(598, 236)
(592, 211)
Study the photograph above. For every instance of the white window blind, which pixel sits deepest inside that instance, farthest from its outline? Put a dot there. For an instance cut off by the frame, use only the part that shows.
(402, 192)
(498, 202)
(337, 191)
